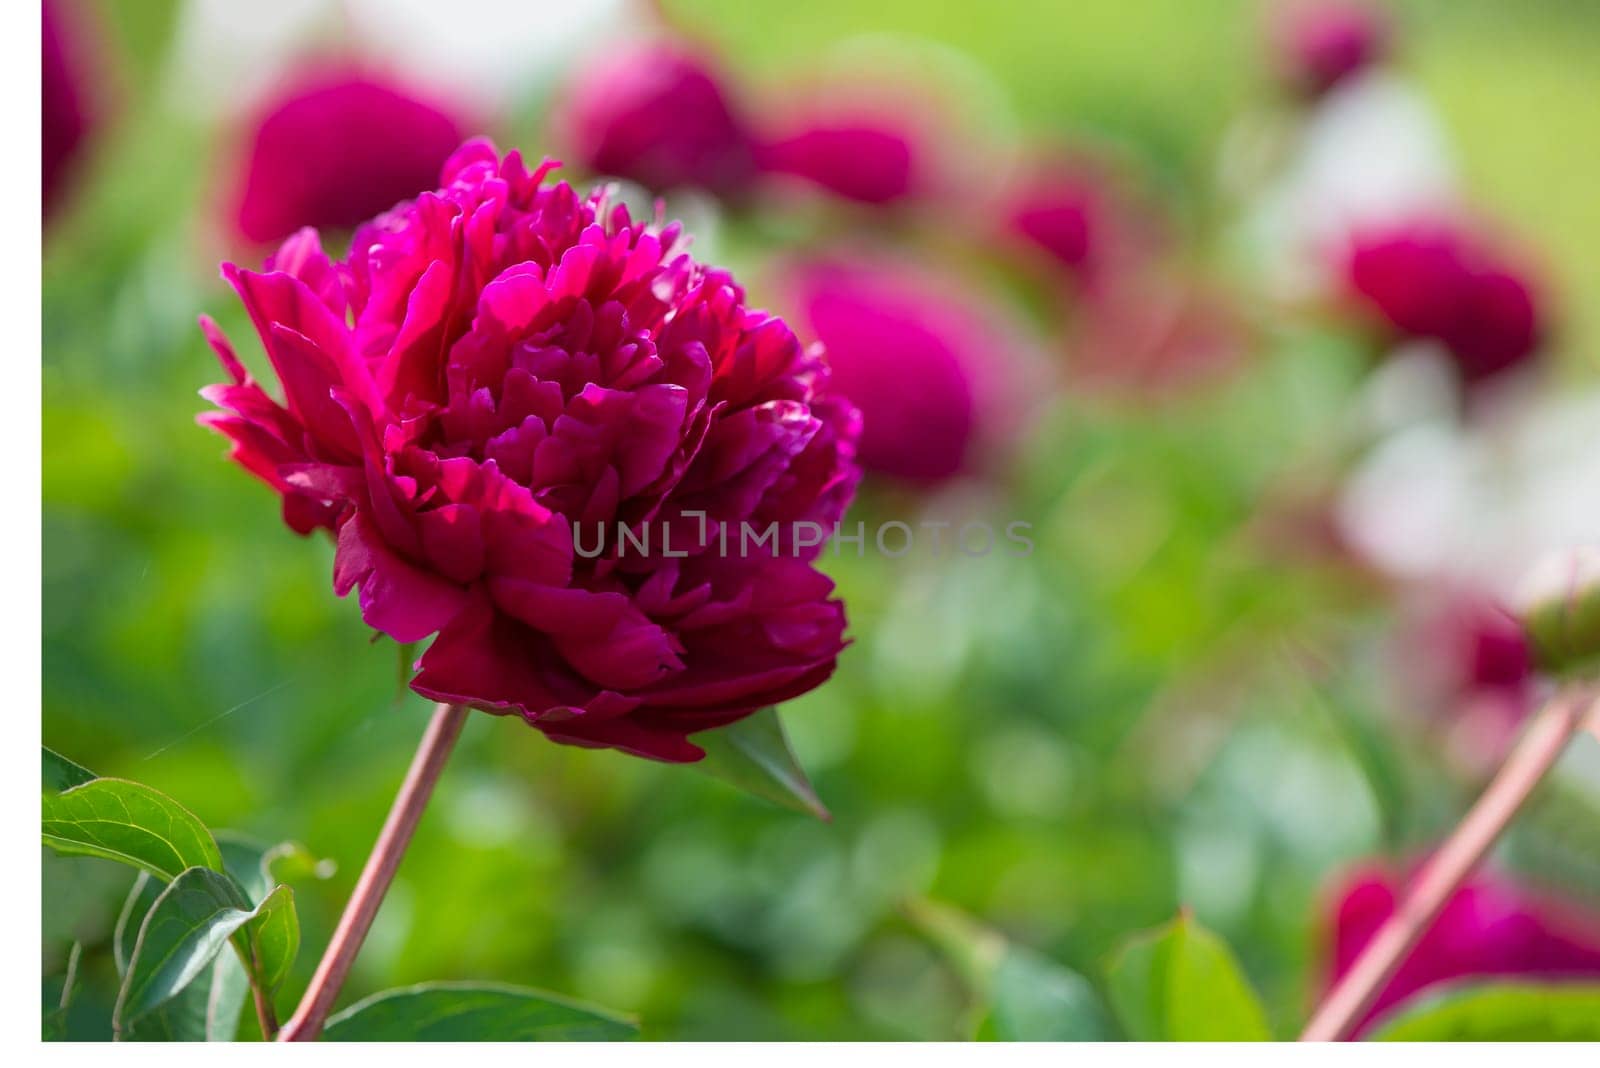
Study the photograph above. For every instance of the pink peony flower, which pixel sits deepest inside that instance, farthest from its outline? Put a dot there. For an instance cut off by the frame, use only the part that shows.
(335, 148)
(499, 374)
(1320, 43)
(1083, 216)
(66, 120)
(857, 159)
(914, 351)
(1490, 928)
(657, 114)
(1431, 280)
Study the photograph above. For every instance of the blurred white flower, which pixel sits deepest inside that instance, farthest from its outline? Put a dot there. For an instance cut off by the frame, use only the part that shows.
(487, 53)
(1372, 151)
(1479, 505)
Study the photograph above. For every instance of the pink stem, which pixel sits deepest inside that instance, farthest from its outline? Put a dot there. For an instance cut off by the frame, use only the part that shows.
(1534, 755)
(404, 814)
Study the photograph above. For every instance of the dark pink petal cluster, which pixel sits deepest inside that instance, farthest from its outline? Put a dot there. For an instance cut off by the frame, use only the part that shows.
(1433, 280)
(1490, 928)
(662, 113)
(65, 98)
(1082, 215)
(658, 114)
(858, 158)
(526, 417)
(910, 352)
(334, 148)
(1321, 43)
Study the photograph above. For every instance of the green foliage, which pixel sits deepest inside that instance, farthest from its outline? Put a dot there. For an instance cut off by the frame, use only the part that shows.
(1034, 999)
(754, 755)
(188, 924)
(1500, 1012)
(130, 823)
(61, 773)
(178, 981)
(473, 1012)
(1022, 995)
(1180, 983)
(274, 938)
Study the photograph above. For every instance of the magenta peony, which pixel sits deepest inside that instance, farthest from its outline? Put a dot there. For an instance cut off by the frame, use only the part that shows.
(657, 114)
(65, 103)
(1491, 928)
(527, 418)
(917, 354)
(1321, 43)
(334, 148)
(1431, 280)
(857, 159)
(1083, 216)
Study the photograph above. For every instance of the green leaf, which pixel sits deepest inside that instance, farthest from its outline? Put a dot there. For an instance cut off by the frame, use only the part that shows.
(1034, 999)
(1500, 1012)
(61, 773)
(274, 939)
(140, 898)
(258, 868)
(474, 1012)
(182, 1018)
(1181, 983)
(226, 994)
(1027, 997)
(754, 755)
(187, 926)
(207, 1009)
(124, 821)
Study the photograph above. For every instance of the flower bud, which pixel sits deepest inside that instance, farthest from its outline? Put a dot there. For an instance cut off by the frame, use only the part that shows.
(1560, 608)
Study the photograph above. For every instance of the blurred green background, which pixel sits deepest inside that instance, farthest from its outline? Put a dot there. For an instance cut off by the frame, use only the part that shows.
(1151, 711)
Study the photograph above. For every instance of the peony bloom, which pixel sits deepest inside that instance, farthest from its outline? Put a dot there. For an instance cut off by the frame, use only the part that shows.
(857, 159)
(499, 375)
(1431, 281)
(65, 120)
(335, 148)
(1080, 215)
(1491, 928)
(1321, 43)
(657, 114)
(916, 354)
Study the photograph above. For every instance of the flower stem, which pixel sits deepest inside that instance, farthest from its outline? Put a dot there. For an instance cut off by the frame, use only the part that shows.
(1535, 753)
(440, 737)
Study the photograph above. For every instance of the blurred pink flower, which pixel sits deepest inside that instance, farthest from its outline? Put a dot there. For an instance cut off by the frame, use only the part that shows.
(659, 114)
(65, 96)
(1320, 43)
(1083, 215)
(497, 376)
(917, 353)
(335, 147)
(1432, 280)
(1491, 928)
(861, 159)
(1466, 661)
